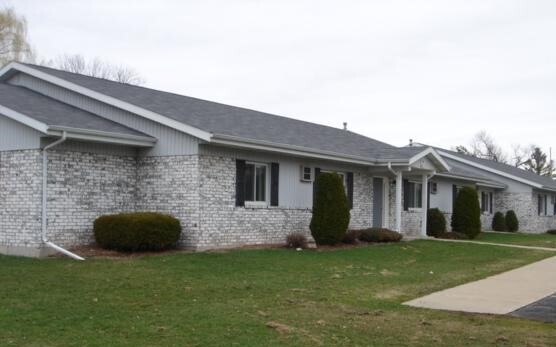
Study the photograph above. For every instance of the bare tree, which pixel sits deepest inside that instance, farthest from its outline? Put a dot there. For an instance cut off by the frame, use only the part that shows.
(520, 155)
(76, 63)
(14, 44)
(483, 146)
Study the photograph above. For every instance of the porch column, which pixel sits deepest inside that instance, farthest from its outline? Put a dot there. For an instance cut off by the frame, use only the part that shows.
(399, 181)
(424, 203)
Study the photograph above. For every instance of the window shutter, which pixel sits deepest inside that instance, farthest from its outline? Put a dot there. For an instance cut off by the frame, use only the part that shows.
(240, 182)
(490, 201)
(315, 187)
(454, 196)
(545, 203)
(406, 195)
(274, 179)
(350, 189)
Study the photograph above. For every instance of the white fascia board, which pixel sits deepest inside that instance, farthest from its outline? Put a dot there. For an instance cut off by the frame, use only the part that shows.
(477, 181)
(23, 119)
(155, 117)
(290, 150)
(104, 138)
(430, 152)
(489, 169)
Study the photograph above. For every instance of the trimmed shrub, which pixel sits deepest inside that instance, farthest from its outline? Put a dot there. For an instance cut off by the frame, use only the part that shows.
(141, 231)
(351, 237)
(296, 240)
(466, 217)
(436, 223)
(512, 223)
(379, 235)
(330, 218)
(452, 235)
(551, 231)
(499, 222)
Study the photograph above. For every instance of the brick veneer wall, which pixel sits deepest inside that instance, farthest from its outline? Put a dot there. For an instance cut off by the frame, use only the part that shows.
(20, 204)
(83, 186)
(224, 224)
(171, 185)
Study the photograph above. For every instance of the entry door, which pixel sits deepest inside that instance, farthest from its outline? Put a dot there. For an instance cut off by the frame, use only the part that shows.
(378, 202)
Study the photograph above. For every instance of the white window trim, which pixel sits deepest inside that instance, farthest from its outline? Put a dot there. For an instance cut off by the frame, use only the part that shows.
(302, 174)
(266, 202)
(487, 192)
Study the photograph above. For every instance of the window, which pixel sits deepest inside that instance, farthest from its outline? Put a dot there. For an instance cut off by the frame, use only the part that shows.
(415, 195)
(256, 182)
(433, 187)
(486, 202)
(306, 174)
(542, 199)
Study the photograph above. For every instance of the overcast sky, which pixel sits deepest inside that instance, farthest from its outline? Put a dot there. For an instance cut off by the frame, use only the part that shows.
(434, 71)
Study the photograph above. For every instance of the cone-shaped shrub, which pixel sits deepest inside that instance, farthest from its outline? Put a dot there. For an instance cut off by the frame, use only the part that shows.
(512, 224)
(436, 223)
(466, 217)
(330, 210)
(499, 222)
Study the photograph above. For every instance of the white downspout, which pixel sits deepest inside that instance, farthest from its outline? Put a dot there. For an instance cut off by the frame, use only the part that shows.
(44, 192)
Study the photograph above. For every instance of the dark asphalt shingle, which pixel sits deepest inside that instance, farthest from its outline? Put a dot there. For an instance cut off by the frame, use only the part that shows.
(55, 113)
(221, 119)
(509, 169)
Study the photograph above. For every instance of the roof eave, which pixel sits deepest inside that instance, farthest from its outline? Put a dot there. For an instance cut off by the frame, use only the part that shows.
(491, 170)
(477, 180)
(102, 136)
(7, 72)
(234, 141)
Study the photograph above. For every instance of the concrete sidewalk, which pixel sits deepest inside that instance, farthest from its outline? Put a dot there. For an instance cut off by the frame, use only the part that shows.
(537, 248)
(498, 294)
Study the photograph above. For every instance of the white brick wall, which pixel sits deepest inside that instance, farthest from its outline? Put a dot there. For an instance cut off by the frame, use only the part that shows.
(198, 190)
(223, 224)
(20, 198)
(83, 186)
(171, 185)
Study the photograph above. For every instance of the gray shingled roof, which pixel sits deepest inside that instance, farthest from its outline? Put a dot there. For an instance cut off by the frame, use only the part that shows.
(221, 119)
(509, 169)
(459, 169)
(54, 113)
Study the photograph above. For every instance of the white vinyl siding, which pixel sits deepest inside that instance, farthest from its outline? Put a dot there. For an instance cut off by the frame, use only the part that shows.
(16, 136)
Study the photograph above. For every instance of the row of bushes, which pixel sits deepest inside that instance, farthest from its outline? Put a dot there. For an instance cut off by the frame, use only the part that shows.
(466, 217)
(508, 222)
(371, 235)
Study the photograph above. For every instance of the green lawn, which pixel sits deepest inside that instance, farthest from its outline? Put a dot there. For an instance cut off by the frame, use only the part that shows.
(539, 240)
(276, 297)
